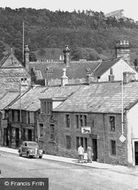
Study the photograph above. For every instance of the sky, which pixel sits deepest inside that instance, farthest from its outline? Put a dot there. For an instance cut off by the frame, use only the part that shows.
(130, 7)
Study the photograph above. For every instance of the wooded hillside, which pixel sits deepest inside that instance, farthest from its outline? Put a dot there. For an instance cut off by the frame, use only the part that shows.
(79, 29)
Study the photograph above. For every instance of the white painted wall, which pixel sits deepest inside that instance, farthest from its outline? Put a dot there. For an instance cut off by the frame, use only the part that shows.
(118, 68)
(132, 121)
(56, 103)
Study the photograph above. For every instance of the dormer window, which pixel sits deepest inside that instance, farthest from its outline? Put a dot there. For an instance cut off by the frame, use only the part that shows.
(47, 106)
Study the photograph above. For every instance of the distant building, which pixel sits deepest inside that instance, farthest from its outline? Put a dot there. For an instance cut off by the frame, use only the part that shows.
(117, 14)
(13, 75)
(83, 71)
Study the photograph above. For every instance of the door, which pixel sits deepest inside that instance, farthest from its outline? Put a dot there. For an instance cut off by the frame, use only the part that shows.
(17, 137)
(94, 147)
(5, 137)
(29, 134)
(136, 152)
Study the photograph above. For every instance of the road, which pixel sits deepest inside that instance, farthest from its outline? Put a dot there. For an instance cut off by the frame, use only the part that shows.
(63, 176)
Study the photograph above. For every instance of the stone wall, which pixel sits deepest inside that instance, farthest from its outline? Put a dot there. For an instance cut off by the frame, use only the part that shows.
(100, 126)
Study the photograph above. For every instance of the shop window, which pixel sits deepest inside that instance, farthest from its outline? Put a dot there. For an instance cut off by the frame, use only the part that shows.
(67, 120)
(113, 147)
(112, 123)
(68, 142)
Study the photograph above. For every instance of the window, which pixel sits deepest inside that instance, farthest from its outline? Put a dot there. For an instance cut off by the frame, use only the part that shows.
(31, 115)
(113, 147)
(18, 115)
(67, 121)
(23, 136)
(41, 129)
(85, 120)
(52, 132)
(68, 142)
(81, 120)
(112, 123)
(13, 115)
(77, 121)
(77, 142)
(47, 107)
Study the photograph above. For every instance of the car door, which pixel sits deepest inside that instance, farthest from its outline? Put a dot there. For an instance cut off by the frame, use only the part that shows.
(24, 148)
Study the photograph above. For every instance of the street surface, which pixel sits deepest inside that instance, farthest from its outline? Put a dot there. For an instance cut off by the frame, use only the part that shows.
(64, 176)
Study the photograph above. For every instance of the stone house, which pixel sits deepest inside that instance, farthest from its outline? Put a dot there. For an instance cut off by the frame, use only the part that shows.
(22, 116)
(111, 117)
(83, 71)
(5, 100)
(13, 74)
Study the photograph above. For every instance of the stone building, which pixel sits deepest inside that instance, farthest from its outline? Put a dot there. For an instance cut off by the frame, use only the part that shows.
(112, 122)
(83, 71)
(22, 116)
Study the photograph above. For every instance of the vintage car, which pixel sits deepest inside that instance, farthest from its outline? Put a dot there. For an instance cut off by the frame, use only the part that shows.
(30, 149)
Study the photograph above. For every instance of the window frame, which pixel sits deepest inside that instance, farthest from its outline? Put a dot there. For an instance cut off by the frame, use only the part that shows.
(67, 117)
(68, 142)
(113, 147)
(112, 123)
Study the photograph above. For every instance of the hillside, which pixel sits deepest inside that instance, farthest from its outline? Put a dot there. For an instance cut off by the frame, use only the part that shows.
(46, 29)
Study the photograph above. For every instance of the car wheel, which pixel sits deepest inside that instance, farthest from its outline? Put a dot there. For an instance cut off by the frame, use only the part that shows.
(20, 154)
(28, 155)
(40, 157)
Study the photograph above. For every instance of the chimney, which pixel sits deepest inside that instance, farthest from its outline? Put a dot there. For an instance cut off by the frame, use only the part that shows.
(111, 76)
(128, 77)
(64, 78)
(27, 57)
(66, 52)
(122, 49)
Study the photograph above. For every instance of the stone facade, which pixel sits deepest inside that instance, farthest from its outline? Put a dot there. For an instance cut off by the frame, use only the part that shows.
(100, 137)
(17, 131)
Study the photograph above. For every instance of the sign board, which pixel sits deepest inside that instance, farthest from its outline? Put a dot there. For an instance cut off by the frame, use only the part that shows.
(86, 130)
(122, 138)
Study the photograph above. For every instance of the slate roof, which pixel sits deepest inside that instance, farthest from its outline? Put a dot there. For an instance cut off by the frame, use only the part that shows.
(104, 66)
(59, 93)
(7, 98)
(77, 69)
(30, 101)
(101, 98)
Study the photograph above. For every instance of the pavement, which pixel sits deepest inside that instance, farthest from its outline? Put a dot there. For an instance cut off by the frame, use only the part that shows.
(94, 164)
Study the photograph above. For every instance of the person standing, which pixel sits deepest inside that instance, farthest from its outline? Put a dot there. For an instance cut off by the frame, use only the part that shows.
(80, 153)
(90, 154)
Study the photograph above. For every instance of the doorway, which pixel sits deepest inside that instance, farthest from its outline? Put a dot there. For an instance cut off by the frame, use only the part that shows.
(17, 137)
(94, 147)
(29, 134)
(136, 152)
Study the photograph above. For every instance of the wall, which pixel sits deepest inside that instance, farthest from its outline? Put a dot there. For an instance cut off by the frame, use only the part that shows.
(100, 129)
(132, 119)
(118, 68)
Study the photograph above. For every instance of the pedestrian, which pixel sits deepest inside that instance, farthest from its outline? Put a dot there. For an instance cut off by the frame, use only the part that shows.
(90, 154)
(80, 153)
(85, 157)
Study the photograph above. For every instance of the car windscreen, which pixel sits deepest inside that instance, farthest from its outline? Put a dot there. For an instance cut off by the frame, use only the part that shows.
(32, 144)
